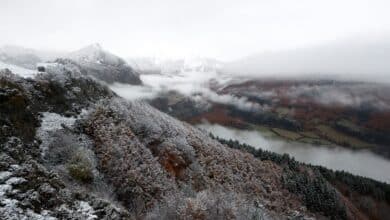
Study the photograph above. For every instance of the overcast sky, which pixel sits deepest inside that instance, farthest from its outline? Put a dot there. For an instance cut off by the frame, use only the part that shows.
(224, 29)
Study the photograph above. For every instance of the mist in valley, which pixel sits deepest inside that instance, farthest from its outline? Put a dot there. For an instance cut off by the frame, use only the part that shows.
(196, 85)
(107, 109)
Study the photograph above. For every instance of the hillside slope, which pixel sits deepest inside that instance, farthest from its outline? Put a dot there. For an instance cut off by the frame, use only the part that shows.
(71, 148)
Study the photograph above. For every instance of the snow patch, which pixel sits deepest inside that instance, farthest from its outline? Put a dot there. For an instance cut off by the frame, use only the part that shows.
(51, 122)
(23, 72)
(15, 181)
(4, 188)
(9, 208)
(86, 211)
(95, 54)
(5, 175)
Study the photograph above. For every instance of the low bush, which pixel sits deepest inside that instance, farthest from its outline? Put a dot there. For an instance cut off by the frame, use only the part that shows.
(80, 168)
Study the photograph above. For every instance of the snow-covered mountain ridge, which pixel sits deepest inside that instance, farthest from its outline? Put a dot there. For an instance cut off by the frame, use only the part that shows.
(97, 62)
(94, 53)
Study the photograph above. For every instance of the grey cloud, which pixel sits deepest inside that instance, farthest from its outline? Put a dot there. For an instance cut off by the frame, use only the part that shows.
(364, 59)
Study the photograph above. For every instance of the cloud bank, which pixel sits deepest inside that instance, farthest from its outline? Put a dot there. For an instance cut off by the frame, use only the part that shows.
(364, 59)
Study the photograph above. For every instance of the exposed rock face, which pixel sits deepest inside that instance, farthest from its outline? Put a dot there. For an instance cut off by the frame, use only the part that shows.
(72, 149)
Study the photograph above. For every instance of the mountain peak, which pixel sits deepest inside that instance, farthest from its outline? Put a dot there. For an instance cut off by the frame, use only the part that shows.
(90, 49)
(95, 53)
(94, 46)
(104, 65)
(97, 45)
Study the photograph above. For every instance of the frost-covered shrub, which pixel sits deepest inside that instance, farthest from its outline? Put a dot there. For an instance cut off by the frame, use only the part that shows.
(80, 168)
(209, 204)
(15, 119)
(147, 155)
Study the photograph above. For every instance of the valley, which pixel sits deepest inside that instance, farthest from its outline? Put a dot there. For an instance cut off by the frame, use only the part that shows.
(284, 146)
(195, 110)
(301, 111)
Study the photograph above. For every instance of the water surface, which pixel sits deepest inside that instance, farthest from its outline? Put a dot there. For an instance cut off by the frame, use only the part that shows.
(362, 163)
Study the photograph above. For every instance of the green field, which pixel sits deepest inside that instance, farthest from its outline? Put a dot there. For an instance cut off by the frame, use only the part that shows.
(342, 139)
(290, 135)
(323, 135)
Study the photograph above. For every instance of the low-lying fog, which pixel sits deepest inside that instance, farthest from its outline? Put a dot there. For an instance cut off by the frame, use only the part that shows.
(358, 58)
(362, 163)
(187, 83)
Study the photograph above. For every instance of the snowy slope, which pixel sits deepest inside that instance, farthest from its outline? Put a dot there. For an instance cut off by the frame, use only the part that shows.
(104, 65)
(18, 70)
(95, 54)
(26, 57)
